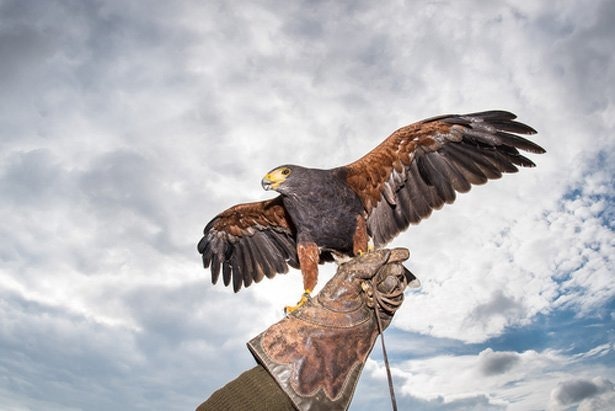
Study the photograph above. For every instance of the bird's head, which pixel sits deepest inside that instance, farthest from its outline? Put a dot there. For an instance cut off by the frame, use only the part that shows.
(281, 178)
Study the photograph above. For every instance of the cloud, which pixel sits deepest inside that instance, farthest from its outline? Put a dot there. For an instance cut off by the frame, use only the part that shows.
(70, 359)
(573, 391)
(492, 363)
(31, 178)
(570, 392)
(369, 395)
(541, 260)
(494, 379)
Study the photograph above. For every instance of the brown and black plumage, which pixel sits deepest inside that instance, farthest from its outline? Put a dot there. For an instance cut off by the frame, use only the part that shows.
(320, 213)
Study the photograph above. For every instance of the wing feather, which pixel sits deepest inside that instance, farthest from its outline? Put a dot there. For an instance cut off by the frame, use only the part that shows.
(215, 269)
(288, 247)
(248, 242)
(270, 257)
(226, 273)
(239, 274)
(470, 170)
(237, 266)
(248, 270)
(420, 167)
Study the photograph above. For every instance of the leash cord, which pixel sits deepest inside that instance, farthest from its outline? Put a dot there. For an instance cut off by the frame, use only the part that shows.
(389, 302)
(386, 362)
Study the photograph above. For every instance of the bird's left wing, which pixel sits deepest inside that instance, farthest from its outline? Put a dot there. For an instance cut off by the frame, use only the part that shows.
(249, 241)
(420, 167)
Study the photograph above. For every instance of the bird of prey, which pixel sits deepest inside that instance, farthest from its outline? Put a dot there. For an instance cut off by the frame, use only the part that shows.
(323, 214)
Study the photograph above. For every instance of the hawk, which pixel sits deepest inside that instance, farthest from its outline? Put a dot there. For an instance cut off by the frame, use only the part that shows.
(320, 215)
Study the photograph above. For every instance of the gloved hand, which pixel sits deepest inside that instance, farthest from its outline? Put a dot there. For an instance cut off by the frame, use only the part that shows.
(316, 354)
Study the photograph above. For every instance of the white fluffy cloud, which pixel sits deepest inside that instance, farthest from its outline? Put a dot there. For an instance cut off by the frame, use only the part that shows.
(504, 274)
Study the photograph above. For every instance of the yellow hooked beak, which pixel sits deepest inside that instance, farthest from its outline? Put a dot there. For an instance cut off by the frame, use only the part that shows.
(274, 178)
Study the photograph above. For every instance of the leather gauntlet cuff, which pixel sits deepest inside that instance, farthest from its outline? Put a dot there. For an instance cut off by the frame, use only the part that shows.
(316, 354)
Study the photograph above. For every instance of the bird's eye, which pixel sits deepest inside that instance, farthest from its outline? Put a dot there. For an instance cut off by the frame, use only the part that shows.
(285, 172)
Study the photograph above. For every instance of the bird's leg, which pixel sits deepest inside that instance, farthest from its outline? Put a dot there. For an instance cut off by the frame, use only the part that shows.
(360, 239)
(308, 254)
(304, 299)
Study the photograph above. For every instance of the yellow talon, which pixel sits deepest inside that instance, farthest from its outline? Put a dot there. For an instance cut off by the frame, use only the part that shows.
(370, 248)
(304, 299)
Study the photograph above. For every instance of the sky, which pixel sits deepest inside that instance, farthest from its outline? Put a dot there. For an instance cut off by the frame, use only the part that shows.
(125, 126)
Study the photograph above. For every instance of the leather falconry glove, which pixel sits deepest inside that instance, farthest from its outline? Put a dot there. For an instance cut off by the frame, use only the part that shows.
(316, 354)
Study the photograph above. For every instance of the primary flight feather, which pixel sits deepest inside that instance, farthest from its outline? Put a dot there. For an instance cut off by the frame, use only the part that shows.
(324, 213)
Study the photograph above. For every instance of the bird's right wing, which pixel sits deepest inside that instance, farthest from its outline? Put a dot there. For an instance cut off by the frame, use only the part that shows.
(248, 242)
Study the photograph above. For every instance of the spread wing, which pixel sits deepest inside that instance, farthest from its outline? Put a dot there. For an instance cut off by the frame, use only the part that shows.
(420, 167)
(249, 241)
